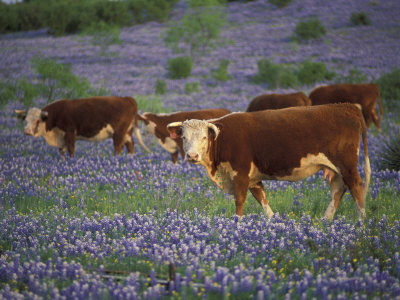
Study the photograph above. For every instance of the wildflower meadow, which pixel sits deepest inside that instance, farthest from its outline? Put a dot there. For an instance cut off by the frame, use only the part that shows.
(105, 226)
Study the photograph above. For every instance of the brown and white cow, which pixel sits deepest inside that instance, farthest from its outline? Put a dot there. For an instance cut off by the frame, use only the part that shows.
(364, 94)
(93, 119)
(278, 101)
(156, 124)
(242, 149)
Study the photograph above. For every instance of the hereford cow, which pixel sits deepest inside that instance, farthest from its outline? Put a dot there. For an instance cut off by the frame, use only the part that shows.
(364, 94)
(93, 119)
(278, 101)
(242, 149)
(157, 125)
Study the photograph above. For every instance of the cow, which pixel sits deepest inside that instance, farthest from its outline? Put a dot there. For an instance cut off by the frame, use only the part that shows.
(278, 101)
(156, 124)
(240, 150)
(93, 119)
(365, 95)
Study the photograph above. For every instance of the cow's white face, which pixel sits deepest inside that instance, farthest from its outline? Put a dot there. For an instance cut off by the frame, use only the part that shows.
(34, 122)
(195, 135)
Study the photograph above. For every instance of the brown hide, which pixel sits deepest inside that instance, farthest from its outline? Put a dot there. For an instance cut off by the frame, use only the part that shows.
(162, 120)
(364, 94)
(278, 101)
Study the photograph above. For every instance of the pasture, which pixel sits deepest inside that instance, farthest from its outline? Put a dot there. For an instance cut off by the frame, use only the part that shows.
(111, 227)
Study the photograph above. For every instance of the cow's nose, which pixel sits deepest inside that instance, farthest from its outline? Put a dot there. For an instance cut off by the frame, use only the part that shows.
(27, 131)
(192, 156)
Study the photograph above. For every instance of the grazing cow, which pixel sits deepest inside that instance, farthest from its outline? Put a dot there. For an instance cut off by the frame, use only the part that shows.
(240, 150)
(93, 119)
(157, 125)
(278, 101)
(363, 94)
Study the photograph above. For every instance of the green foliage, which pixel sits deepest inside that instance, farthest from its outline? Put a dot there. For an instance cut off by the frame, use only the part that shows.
(147, 103)
(221, 73)
(311, 72)
(199, 29)
(275, 75)
(308, 29)
(389, 85)
(103, 34)
(191, 87)
(58, 81)
(360, 18)
(147, 10)
(161, 87)
(180, 67)
(390, 155)
(354, 76)
(280, 3)
(70, 16)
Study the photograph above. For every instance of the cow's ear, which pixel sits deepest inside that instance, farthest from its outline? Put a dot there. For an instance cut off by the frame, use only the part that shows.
(43, 115)
(214, 130)
(21, 114)
(175, 130)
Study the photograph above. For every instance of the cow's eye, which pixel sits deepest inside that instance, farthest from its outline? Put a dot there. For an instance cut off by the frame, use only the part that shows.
(204, 137)
(184, 138)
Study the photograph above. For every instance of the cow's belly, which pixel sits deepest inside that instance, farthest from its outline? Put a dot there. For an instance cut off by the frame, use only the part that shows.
(309, 165)
(105, 133)
(170, 145)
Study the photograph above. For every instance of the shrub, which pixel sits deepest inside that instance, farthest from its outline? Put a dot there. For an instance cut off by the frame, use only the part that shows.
(275, 75)
(309, 29)
(389, 85)
(191, 87)
(147, 10)
(199, 28)
(354, 76)
(161, 87)
(280, 3)
(103, 34)
(180, 67)
(221, 73)
(390, 155)
(360, 18)
(311, 72)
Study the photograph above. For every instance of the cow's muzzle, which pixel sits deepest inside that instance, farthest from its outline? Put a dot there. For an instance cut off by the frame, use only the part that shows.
(192, 157)
(28, 132)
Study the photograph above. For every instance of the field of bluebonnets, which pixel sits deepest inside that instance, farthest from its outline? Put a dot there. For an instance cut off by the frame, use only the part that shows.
(104, 226)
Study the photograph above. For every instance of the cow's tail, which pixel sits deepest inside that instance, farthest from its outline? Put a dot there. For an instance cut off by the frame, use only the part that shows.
(380, 105)
(367, 165)
(138, 135)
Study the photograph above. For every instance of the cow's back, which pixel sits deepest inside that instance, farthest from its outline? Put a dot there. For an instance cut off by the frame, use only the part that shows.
(278, 101)
(337, 93)
(276, 140)
(89, 115)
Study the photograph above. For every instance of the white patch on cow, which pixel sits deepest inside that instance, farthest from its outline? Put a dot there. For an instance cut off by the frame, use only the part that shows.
(255, 175)
(267, 210)
(105, 133)
(309, 165)
(54, 137)
(151, 127)
(223, 177)
(170, 145)
(330, 211)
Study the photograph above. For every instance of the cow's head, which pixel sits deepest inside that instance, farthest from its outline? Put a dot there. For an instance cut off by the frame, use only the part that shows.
(196, 136)
(34, 120)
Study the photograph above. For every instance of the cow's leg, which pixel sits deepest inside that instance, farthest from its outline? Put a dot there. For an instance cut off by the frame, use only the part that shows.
(240, 186)
(174, 157)
(376, 119)
(62, 151)
(70, 138)
(259, 193)
(129, 143)
(119, 141)
(353, 180)
(338, 189)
